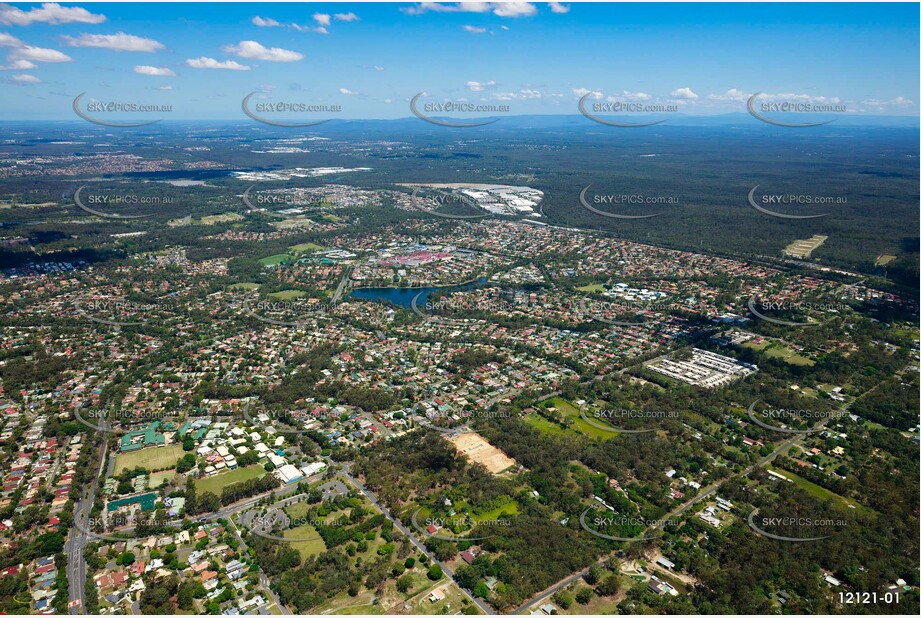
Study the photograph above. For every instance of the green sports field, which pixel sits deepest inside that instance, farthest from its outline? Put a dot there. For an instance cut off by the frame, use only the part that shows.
(150, 458)
(215, 484)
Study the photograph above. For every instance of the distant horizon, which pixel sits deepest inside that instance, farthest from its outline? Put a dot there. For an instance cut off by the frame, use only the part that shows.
(841, 120)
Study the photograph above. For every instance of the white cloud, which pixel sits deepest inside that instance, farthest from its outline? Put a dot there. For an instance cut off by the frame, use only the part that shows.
(317, 29)
(799, 98)
(26, 79)
(347, 91)
(504, 27)
(436, 7)
(500, 9)
(733, 94)
(474, 29)
(155, 71)
(256, 51)
(8, 40)
(685, 93)
(378, 67)
(117, 42)
(630, 96)
(514, 9)
(556, 7)
(581, 92)
(322, 18)
(878, 104)
(521, 95)
(49, 13)
(388, 100)
(19, 65)
(40, 54)
(210, 63)
(347, 17)
(23, 57)
(265, 22)
(479, 86)
(165, 88)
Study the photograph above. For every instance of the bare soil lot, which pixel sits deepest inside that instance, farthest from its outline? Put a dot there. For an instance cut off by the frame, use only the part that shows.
(477, 449)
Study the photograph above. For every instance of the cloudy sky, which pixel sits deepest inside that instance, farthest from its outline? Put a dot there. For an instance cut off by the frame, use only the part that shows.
(536, 58)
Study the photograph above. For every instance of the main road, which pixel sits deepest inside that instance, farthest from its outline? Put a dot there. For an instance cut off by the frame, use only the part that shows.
(79, 538)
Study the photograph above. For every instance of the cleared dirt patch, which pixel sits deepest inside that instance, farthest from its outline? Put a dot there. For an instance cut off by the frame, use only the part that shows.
(477, 449)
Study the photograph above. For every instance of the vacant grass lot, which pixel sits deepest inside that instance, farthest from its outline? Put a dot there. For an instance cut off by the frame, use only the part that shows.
(306, 540)
(150, 458)
(215, 484)
(571, 412)
(307, 246)
(287, 294)
(818, 491)
(276, 259)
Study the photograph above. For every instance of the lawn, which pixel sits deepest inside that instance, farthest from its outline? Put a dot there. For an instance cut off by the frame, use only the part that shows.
(274, 260)
(246, 285)
(158, 477)
(308, 541)
(221, 480)
(287, 294)
(776, 350)
(298, 510)
(594, 287)
(307, 246)
(509, 508)
(222, 218)
(539, 422)
(150, 458)
(818, 491)
(571, 412)
(885, 259)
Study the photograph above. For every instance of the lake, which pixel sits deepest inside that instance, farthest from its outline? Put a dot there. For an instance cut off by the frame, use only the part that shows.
(404, 296)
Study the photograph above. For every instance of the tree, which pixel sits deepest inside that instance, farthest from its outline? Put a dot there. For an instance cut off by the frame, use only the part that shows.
(186, 463)
(186, 595)
(410, 562)
(481, 590)
(584, 595)
(593, 575)
(608, 587)
(563, 600)
(435, 572)
(405, 583)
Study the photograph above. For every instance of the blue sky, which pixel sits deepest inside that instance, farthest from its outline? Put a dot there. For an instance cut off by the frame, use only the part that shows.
(536, 58)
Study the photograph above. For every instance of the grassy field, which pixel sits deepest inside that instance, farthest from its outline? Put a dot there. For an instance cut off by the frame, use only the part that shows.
(222, 218)
(509, 508)
(539, 422)
(571, 412)
(818, 491)
(287, 294)
(247, 285)
(298, 510)
(158, 477)
(308, 541)
(151, 458)
(276, 259)
(221, 480)
(593, 287)
(307, 246)
(776, 350)
(885, 259)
